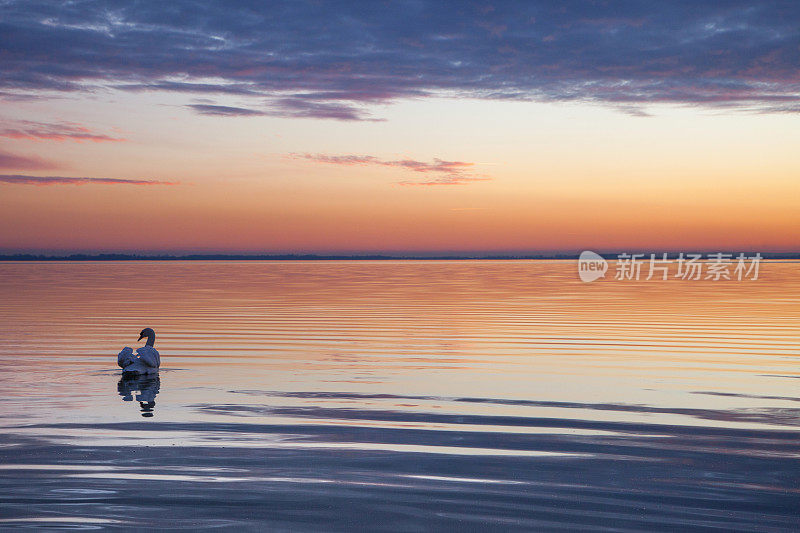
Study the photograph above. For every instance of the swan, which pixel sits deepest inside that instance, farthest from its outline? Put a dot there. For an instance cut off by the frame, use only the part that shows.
(146, 361)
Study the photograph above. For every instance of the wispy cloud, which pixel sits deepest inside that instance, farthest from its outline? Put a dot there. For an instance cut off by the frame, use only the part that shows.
(295, 107)
(63, 131)
(224, 111)
(21, 179)
(10, 161)
(439, 171)
(451, 179)
(191, 87)
(288, 108)
(333, 60)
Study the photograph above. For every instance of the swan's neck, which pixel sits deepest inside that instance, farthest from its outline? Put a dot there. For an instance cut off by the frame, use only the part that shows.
(151, 340)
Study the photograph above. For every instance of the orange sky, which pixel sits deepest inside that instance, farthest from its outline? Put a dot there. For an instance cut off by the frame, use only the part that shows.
(541, 177)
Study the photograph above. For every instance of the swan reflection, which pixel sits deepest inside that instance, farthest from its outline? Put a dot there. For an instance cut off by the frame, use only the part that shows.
(145, 388)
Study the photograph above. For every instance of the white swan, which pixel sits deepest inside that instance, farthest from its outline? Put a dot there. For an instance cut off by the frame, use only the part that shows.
(146, 361)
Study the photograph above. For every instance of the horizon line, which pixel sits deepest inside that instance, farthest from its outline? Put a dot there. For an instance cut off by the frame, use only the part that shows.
(362, 257)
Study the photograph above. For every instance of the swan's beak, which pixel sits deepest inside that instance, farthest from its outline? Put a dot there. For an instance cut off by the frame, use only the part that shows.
(140, 338)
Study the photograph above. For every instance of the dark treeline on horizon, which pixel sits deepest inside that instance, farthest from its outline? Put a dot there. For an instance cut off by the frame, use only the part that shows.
(321, 257)
(259, 257)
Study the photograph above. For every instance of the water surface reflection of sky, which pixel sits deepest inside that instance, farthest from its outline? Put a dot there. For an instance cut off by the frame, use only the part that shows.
(415, 375)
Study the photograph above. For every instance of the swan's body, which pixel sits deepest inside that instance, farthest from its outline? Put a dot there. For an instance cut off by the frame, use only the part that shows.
(147, 359)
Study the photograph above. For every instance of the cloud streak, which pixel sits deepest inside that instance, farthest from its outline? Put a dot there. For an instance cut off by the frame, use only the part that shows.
(40, 131)
(21, 179)
(10, 161)
(224, 111)
(438, 172)
(287, 108)
(335, 60)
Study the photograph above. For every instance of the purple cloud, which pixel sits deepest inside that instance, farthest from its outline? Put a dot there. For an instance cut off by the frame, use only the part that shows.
(333, 60)
(224, 111)
(306, 107)
(65, 131)
(287, 108)
(188, 87)
(19, 179)
(23, 162)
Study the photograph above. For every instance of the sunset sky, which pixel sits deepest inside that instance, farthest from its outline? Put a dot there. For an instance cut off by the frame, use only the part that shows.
(402, 127)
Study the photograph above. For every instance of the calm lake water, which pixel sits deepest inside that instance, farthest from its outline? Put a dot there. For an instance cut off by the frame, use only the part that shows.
(398, 395)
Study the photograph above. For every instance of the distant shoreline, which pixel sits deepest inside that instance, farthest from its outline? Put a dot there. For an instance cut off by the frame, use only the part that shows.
(315, 257)
(275, 257)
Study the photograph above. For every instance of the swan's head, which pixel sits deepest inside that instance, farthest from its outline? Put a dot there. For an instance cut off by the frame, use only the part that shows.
(150, 334)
